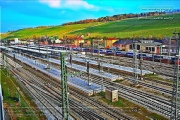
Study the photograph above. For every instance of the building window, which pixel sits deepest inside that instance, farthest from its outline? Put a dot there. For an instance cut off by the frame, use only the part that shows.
(130, 47)
(138, 47)
(153, 49)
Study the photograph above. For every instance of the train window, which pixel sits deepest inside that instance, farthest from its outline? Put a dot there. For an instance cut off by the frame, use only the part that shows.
(147, 48)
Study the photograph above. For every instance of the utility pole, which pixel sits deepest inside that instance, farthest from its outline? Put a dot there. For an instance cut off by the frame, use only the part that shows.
(64, 86)
(5, 63)
(39, 45)
(135, 74)
(141, 59)
(14, 58)
(3, 60)
(70, 59)
(160, 55)
(89, 82)
(169, 50)
(93, 47)
(99, 64)
(175, 108)
(48, 62)
(66, 43)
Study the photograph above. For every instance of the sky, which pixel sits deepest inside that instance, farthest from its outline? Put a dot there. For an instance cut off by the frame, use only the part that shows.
(18, 14)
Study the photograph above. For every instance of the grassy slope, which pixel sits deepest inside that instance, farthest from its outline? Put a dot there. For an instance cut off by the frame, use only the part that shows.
(21, 112)
(57, 30)
(121, 29)
(138, 27)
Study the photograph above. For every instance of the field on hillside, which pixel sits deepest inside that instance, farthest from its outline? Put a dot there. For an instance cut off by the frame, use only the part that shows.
(56, 30)
(125, 28)
(136, 27)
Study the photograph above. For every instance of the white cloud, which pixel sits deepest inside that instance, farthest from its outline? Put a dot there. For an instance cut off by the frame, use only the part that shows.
(80, 4)
(52, 3)
(70, 4)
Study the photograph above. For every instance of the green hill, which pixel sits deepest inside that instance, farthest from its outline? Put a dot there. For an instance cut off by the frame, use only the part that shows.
(137, 27)
(153, 26)
(40, 31)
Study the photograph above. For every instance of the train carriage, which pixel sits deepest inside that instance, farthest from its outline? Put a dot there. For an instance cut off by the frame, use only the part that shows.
(109, 52)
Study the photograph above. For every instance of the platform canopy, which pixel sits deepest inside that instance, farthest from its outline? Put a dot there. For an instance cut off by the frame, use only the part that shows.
(31, 50)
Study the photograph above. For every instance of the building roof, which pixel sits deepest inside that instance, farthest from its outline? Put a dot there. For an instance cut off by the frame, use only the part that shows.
(166, 42)
(123, 42)
(150, 43)
(111, 39)
(79, 38)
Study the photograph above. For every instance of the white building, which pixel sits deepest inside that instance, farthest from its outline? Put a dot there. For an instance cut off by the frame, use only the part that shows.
(58, 41)
(16, 41)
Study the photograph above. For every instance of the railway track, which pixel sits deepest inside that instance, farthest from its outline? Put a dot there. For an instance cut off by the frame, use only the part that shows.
(160, 82)
(99, 105)
(124, 74)
(38, 95)
(142, 98)
(116, 72)
(159, 68)
(50, 92)
(159, 89)
(110, 113)
(150, 101)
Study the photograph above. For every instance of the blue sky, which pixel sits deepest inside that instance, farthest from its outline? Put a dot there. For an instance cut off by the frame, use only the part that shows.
(17, 14)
